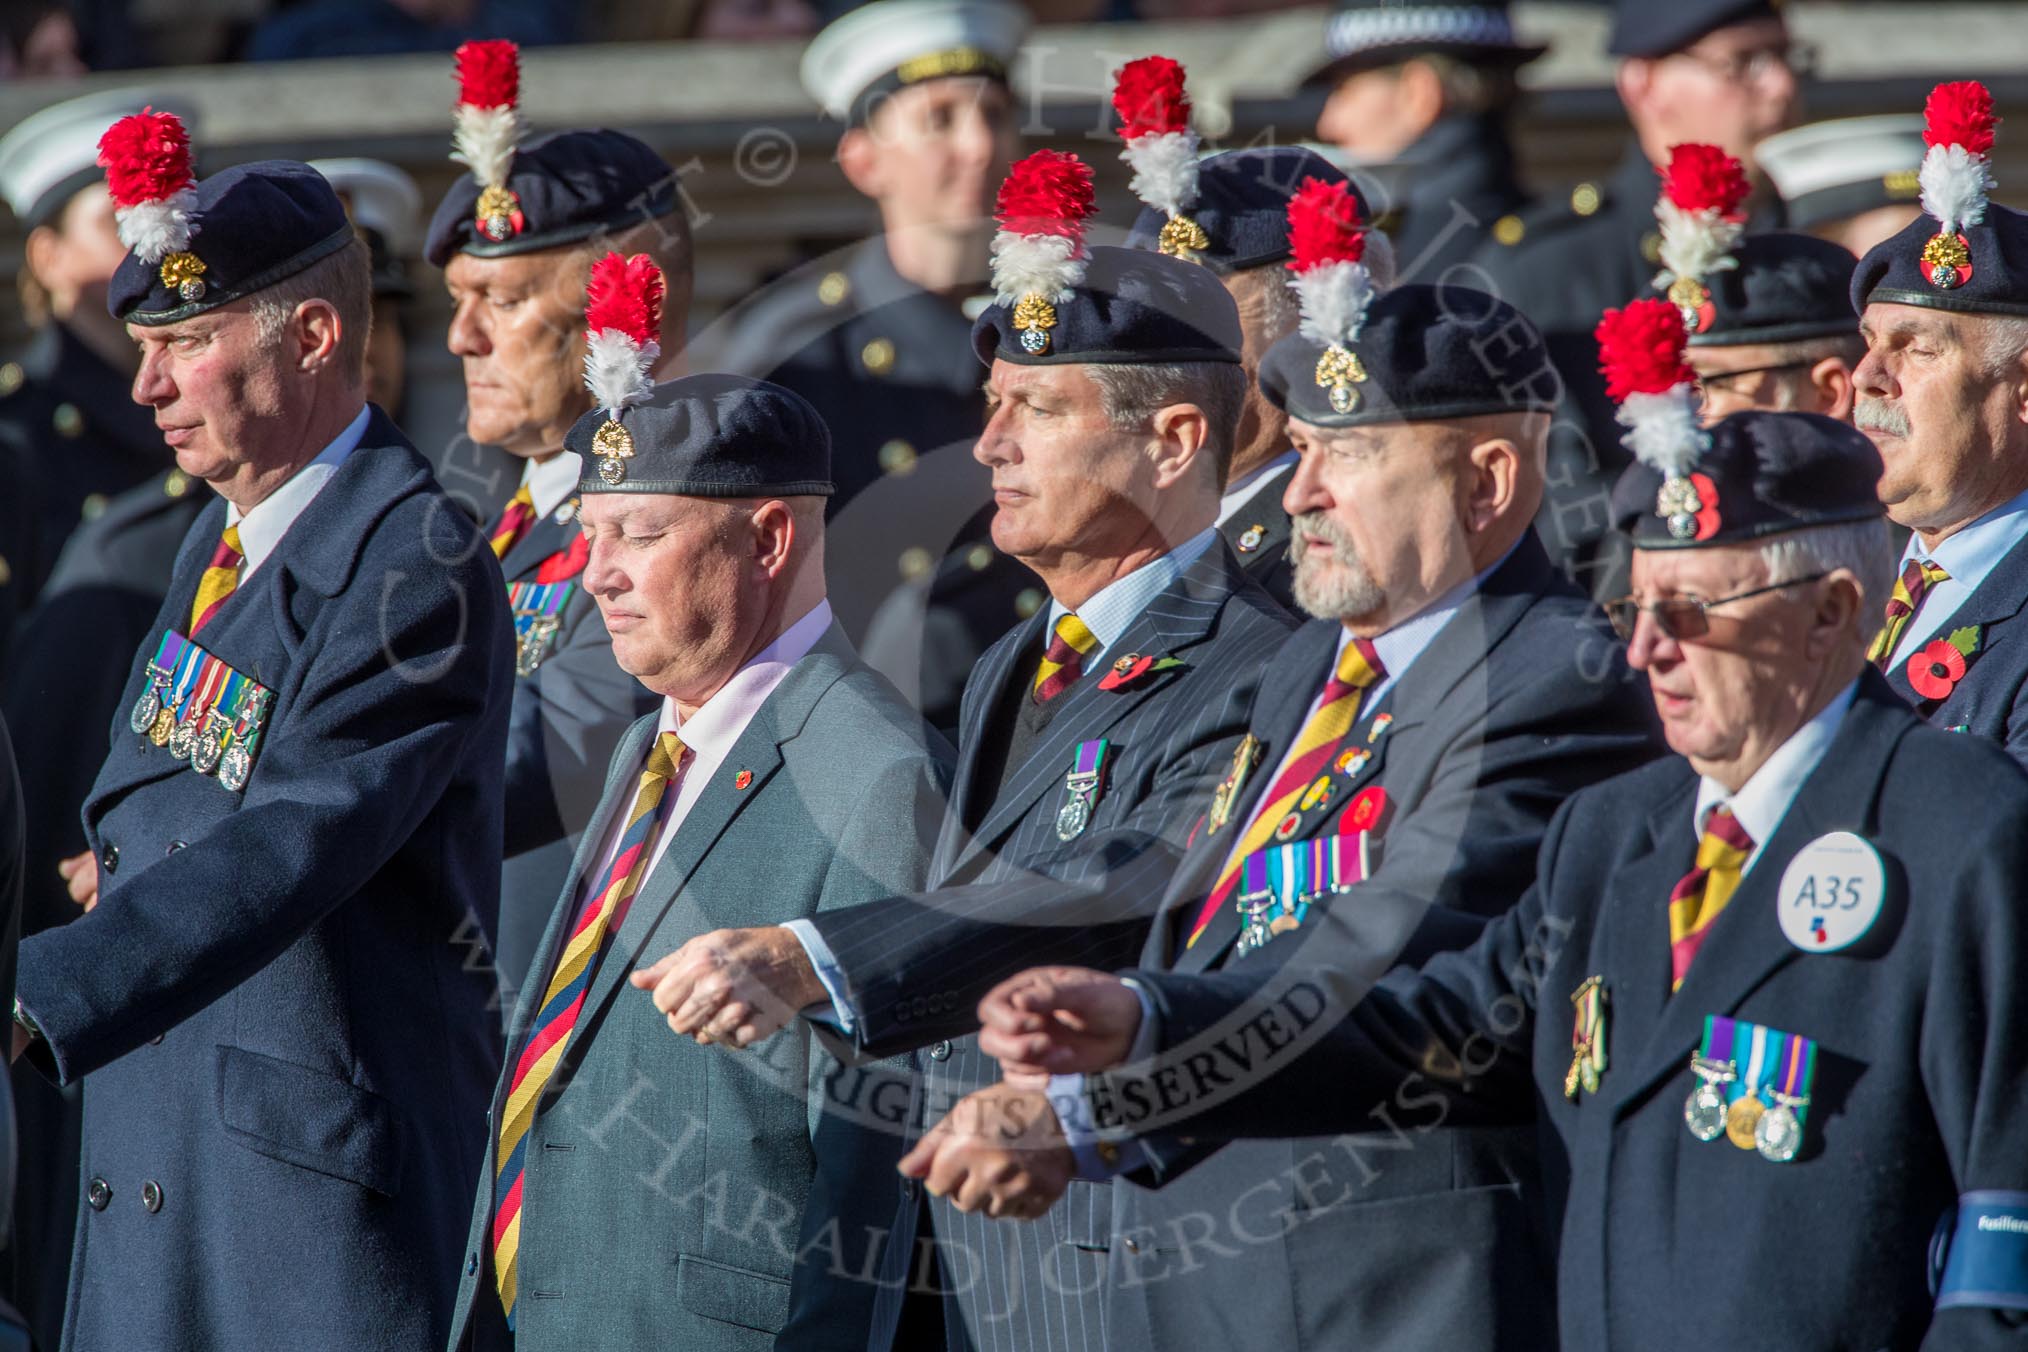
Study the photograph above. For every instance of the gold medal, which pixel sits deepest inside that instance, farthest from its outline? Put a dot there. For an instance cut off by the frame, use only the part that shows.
(1741, 1119)
(165, 722)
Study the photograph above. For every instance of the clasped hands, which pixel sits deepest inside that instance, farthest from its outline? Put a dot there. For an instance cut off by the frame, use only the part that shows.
(1000, 1150)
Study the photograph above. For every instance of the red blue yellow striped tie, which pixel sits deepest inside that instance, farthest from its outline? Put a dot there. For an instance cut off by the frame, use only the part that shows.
(221, 576)
(1063, 661)
(515, 520)
(605, 907)
(1917, 577)
(1358, 669)
(1697, 900)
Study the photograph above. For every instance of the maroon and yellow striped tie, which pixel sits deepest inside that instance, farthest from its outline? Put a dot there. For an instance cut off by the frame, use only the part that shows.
(221, 576)
(1917, 577)
(1063, 661)
(515, 520)
(1358, 670)
(605, 907)
(1698, 899)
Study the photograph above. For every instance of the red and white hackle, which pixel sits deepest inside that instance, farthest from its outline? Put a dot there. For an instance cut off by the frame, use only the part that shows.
(146, 157)
(1160, 148)
(1640, 351)
(486, 130)
(1039, 256)
(623, 327)
(1327, 266)
(1699, 216)
(1956, 175)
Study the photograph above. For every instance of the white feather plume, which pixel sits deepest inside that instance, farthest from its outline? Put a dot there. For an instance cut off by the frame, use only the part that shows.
(1333, 298)
(1165, 170)
(1694, 243)
(616, 369)
(1954, 186)
(1663, 431)
(1050, 266)
(483, 140)
(154, 230)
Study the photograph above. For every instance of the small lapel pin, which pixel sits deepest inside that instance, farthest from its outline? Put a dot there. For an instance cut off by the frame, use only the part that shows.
(742, 779)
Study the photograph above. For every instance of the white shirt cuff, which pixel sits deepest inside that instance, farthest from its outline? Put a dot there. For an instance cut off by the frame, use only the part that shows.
(1102, 1158)
(839, 1012)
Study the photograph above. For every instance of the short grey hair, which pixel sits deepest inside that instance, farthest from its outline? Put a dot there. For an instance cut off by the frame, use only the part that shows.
(1131, 394)
(344, 281)
(2003, 340)
(1863, 548)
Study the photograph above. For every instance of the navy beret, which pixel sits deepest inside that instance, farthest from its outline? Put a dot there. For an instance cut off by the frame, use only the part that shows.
(1761, 474)
(252, 225)
(571, 186)
(1652, 28)
(1788, 287)
(1132, 308)
(1423, 353)
(1243, 205)
(1362, 34)
(1893, 271)
(708, 436)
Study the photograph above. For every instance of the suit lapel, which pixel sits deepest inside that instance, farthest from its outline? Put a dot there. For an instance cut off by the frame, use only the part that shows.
(1279, 713)
(1632, 951)
(1088, 713)
(1995, 600)
(1259, 524)
(542, 539)
(1746, 945)
(1002, 667)
(758, 751)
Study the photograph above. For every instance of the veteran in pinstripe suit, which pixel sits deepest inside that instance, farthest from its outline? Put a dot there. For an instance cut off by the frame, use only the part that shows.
(638, 1192)
(1087, 735)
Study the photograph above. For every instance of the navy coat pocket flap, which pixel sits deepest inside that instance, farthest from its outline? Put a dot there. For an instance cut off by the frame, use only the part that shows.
(732, 1295)
(309, 1119)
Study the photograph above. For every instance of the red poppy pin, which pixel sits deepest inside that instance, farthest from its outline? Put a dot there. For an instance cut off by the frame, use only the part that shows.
(1136, 667)
(565, 564)
(1366, 812)
(742, 779)
(1936, 670)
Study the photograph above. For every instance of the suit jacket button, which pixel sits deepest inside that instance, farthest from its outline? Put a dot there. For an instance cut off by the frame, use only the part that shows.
(908, 1189)
(151, 1196)
(940, 1051)
(99, 1194)
(1133, 1245)
(109, 859)
(471, 1265)
(176, 845)
(155, 1041)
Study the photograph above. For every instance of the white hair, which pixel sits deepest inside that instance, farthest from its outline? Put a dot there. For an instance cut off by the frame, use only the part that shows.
(1863, 548)
(2003, 340)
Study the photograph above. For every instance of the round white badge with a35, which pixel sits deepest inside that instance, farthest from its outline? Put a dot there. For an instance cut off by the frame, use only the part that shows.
(1832, 892)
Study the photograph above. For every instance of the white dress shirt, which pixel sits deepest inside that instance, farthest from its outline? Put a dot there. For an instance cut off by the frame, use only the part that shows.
(1967, 556)
(550, 482)
(1764, 799)
(262, 528)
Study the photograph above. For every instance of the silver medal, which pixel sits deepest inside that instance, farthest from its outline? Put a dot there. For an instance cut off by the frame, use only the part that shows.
(183, 739)
(1705, 1110)
(1073, 817)
(204, 757)
(235, 766)
(1779, 1134)
(145, 709)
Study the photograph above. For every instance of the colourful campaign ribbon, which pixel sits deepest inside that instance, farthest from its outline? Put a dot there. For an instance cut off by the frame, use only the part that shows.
(189, 662)
(1768, 1060)
(1290, 876)
(537, 600)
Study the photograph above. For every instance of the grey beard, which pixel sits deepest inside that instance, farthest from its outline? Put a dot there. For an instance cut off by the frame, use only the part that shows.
(1346, 593)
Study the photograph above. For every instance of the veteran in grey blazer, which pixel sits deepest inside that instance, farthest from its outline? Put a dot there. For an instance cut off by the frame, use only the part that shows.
(639, 1191)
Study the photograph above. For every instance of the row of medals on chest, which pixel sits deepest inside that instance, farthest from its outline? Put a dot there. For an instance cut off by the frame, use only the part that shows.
(1748, 1121)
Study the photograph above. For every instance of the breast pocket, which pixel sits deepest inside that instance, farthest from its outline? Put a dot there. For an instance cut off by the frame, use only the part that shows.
(310, 1119)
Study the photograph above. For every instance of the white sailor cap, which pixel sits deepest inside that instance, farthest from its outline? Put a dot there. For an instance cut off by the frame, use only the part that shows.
(1830, 170)
(890, 44)
(52, 154)
(379, 197)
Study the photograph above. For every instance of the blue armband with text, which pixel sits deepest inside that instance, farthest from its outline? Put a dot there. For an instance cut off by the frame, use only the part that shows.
(1979, 1258)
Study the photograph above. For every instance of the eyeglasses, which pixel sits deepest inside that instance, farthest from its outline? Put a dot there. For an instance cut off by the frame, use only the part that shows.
(1798, 58)
(1683, 617)
(1719, 381)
